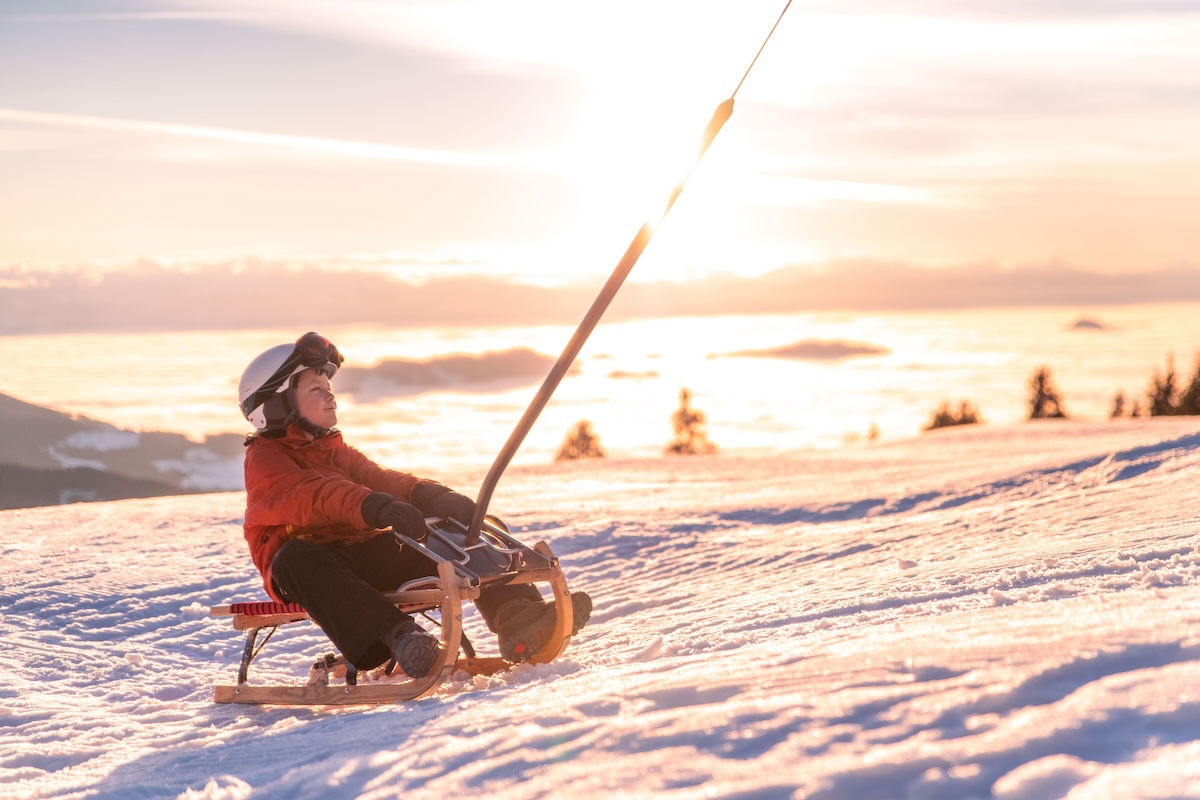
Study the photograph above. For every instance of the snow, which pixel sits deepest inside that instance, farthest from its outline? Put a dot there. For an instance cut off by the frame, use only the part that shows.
(103, 440)
(981, 612)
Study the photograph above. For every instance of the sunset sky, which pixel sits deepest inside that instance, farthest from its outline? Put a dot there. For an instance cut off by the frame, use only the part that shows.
(530, 139)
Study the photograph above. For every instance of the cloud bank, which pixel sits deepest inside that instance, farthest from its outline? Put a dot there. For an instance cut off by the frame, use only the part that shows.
(242, 296)
(483, 372)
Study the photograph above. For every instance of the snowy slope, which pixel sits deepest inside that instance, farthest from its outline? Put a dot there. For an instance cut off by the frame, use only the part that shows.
(1000, 612)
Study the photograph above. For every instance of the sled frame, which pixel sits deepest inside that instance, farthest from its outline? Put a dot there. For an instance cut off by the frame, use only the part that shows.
(458, 578)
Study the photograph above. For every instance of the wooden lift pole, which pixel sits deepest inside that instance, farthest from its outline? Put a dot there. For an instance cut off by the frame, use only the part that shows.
(599, 306)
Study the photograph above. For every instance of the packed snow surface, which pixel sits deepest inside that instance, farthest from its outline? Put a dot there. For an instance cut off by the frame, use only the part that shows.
(987, 612)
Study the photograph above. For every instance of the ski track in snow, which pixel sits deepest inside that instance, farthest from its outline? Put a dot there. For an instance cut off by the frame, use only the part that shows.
(1005, 613)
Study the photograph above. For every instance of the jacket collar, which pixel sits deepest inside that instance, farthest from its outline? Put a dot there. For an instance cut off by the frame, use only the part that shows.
(296, 437)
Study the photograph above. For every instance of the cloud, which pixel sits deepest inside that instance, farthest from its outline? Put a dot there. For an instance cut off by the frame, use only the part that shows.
(929, 131)
(286, 70)
(306, 144)
(812, 350)
(126, 16)
(257, 294)
(459, 372)
(1012, 9)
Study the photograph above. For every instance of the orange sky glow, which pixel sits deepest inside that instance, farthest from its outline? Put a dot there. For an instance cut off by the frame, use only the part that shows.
(529, 140)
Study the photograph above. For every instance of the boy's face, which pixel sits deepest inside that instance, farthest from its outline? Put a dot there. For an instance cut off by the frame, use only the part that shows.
(314, 398)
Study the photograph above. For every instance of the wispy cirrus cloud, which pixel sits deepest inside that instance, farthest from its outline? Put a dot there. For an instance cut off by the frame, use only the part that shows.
(338, 148)
(1014, 9)
(128, 16)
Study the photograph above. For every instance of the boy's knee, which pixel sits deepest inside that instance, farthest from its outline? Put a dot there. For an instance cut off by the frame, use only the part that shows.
(295, 560)
(293, 551)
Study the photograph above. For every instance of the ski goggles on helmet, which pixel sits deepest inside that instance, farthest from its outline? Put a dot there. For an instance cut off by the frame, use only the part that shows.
(311, 350)
(314, 350)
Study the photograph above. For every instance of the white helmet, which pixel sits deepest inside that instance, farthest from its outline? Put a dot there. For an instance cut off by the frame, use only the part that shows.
(265, 389)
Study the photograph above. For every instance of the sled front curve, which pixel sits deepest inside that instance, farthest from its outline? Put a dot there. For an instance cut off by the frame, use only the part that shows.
(564, 610)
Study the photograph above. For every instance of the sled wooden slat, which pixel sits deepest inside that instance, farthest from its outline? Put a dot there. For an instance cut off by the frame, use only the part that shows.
(317, 695)
(246, 622)
(376, 694)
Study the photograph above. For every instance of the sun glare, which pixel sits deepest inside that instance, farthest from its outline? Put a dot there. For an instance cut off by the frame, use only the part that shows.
(1041, 135)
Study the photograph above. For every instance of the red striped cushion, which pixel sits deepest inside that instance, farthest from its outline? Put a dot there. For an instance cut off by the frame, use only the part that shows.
(264, 609)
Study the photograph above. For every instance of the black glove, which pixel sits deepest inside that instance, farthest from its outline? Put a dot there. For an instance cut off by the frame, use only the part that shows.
(380, 510)
(439, 501)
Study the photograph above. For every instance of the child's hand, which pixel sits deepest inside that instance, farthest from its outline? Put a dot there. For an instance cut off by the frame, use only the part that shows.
(381, 510)
(403, 518)
(454, 505)
(439, 501)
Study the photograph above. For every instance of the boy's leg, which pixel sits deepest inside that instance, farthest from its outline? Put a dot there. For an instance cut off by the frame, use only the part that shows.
(492, 600)
(329, 581)
(523, 621)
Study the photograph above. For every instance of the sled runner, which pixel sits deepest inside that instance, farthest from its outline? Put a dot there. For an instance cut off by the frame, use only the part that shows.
(463, 567)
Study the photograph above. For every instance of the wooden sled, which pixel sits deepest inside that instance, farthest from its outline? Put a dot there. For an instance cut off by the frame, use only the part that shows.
(463, 571)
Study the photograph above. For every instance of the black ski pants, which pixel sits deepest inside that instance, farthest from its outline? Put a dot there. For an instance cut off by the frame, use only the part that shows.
(341, 587)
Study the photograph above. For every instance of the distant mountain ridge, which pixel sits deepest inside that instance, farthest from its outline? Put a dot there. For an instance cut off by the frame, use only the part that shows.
(48, 458)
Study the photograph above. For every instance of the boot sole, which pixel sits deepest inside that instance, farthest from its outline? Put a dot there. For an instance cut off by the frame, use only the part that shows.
(416, 654)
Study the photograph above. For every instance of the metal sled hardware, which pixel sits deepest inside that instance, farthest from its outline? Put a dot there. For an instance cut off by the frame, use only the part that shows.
(463, 570)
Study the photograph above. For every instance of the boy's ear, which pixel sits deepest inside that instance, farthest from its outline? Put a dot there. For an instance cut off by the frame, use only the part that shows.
(278, 409)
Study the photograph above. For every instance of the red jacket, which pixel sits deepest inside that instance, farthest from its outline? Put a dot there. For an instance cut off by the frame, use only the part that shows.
(302, 489)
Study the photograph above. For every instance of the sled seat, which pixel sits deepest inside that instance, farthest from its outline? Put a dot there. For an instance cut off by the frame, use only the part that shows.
(268, 614)
(463, 570)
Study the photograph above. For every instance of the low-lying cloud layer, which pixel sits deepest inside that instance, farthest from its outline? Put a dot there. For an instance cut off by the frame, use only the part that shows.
(263, 295)
(813, 350)
(463, 372)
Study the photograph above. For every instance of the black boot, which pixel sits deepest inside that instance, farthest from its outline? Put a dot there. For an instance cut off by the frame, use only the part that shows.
(413, 648)
(523, 625)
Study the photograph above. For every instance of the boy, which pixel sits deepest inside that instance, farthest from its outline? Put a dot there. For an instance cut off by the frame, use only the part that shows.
(314, 510)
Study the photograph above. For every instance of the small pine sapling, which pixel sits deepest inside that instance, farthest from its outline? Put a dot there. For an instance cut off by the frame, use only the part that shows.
(581, 442)
(688, 422)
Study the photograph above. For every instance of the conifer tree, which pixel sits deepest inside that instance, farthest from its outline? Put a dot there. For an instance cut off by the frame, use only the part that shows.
(690, 438)
(1163, 394)
(944, 417)
(581, 442)
(1045, 402)
(1189, 399)
(1118, 406)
